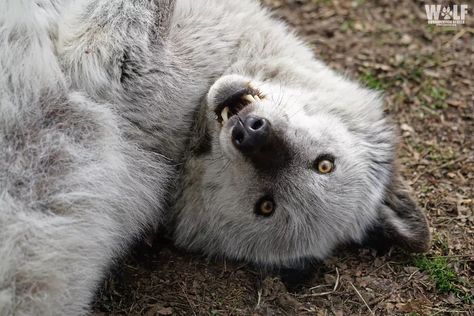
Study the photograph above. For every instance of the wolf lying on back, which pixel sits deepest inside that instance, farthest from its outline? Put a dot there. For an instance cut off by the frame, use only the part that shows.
(85, 173)
(290, 160)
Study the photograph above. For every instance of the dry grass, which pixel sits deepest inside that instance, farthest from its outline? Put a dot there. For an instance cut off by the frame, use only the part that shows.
(427, 74)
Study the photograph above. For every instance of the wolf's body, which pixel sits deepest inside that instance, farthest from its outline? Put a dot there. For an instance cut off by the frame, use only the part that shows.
(97, 102)
(74, 192)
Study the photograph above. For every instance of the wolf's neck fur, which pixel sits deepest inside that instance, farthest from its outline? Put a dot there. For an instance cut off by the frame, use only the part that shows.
(197, 47)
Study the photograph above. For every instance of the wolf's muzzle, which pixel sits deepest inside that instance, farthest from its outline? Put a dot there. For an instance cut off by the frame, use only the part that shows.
(257, 140)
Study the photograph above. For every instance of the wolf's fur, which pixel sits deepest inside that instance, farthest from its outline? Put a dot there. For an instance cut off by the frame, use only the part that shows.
(314, 112)
(97, 102)
(74, 191)
(362, 201)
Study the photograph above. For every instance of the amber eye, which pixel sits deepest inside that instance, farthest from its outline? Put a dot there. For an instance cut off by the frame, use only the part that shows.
(265, 206)
(324, 164)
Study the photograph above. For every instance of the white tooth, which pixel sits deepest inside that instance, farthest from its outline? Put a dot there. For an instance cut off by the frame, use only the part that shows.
(225, 114)
(249, 98)
(257, 98)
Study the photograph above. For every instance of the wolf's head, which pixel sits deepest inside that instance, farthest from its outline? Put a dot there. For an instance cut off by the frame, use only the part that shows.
(281, 174)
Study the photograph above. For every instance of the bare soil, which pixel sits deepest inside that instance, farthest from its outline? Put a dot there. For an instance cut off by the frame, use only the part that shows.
(427, 75)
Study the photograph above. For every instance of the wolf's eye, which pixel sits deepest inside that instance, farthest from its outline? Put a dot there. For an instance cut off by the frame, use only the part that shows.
(324, 164)
(265, 206)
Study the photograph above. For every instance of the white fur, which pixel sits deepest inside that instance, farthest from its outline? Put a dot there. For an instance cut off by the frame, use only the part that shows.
(315, 111)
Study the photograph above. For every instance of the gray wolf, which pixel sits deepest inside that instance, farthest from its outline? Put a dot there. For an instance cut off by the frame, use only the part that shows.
(98, 101)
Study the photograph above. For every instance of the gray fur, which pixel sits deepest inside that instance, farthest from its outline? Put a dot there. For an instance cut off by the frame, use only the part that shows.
(74, 190)
(315, 112)
(97, 102)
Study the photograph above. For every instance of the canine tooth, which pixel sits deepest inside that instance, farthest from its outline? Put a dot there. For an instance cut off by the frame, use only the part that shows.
(257, 98)
(225, 114)
(249, 98)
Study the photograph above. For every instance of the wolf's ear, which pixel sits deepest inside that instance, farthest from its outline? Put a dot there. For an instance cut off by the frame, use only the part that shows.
(401, 221)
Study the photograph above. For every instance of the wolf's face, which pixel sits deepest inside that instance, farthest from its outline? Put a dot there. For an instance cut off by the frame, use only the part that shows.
(300, 159)
(288, 174)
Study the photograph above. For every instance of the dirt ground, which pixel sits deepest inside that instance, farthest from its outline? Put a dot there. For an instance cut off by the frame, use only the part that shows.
(427, 74)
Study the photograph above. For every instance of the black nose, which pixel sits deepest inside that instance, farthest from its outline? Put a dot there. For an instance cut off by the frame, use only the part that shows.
(250, 133)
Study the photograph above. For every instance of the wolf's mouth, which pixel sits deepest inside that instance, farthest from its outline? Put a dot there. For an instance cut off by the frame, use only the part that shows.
(236, 102)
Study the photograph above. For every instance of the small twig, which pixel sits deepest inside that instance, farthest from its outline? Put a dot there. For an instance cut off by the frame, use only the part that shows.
(362, 298)
(131, 267)
(336, 284)
(187, 299)
(455, 37)
(318, 286)
(337, 280)
(440, 310)
(378, 268)
(315, 294)
(409, 278)
(446, 164)
(259, 295)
